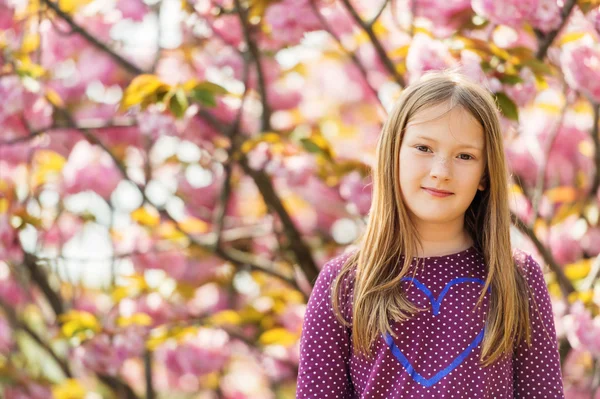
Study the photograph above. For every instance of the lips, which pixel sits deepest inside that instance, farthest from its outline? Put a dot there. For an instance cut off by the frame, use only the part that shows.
(437, 193)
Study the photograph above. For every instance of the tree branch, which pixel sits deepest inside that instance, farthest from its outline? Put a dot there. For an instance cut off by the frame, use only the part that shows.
(565, 284)
(546, 40)
(376, 16)
(385, 59)
(262, 84)
(596, 141)
(130, 67)
(14, 320)
(349, 53)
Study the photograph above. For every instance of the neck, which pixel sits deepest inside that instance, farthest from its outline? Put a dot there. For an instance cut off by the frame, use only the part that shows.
(439, 240)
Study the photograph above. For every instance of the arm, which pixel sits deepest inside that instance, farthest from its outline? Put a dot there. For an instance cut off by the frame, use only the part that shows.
(536, 368)
(325, 344)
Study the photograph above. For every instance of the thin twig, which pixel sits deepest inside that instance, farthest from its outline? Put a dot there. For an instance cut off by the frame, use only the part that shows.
(540, 186)
(378, 14)
(262, 84)
(349, 53)
(596, 141)
(385, 59)
(130, 67)
(546, 40)
(18, 324)
(564, 283)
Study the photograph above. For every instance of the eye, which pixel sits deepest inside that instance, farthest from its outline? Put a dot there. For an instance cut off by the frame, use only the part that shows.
(469, 157)
(422, 148)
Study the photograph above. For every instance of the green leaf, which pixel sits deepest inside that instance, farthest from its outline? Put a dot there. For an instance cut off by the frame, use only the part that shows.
(204, 97)
(310, 146)
(538, 67)
(507, 106)
(211, 87)
(511, 79)
(178, 103)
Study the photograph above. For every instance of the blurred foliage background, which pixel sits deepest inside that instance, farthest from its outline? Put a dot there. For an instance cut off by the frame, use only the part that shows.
(173, 174)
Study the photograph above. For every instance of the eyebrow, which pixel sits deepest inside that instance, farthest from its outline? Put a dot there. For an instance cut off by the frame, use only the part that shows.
(462, 146)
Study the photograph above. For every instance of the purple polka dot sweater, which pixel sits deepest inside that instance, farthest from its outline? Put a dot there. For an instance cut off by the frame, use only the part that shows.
(436, 353)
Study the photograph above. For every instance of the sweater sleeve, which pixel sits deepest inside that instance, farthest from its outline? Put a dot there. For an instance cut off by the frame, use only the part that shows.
(536, 368)
(324, 345)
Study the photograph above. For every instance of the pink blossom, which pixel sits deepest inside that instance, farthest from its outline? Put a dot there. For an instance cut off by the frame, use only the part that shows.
(290, 19)
(565, 248)
(581, 67)
(201, 200)
(512, 12)
(11, 292)
(29, 390)
(594, 17)
(37, 111)
(10, 248)
(6, 17)
(590, 242)
(282, 99)
(6, 341)
(357, 191)
(523, 92)
(426, 54)
(337, 17)
(106, 354)
(100, 178)
(135, 10)
(62, 230)
(196, 355)
(446, 15)
(156, 124)
(292, 318)
(229, 29)
(546, 16)
(583, 329)
(11, 91)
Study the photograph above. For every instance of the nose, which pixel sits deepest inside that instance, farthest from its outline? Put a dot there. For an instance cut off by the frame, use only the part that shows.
(441, 168)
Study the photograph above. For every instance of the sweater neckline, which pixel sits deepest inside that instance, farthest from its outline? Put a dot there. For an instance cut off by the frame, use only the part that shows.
(467, 251)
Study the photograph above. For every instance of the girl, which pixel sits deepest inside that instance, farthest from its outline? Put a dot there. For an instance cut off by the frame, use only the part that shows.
(433, 303)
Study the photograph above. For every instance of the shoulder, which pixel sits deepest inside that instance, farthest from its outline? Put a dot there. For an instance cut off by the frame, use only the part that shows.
(334, 265)
(530, 268)
(525, 262)
(330, 270)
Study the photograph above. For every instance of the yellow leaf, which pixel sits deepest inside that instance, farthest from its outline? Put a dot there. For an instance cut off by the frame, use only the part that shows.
(76, 321)
(562, 194)
(69, 389)
(584, 296)
(30, 42)
(550, 108)
(70, 6)
(3, 205)
(192, 225)
(47, 164)
(226, 317)
(140, 319)
(54, 98)
(400, 52)
(278, 336)
(169, 231)
(146, 216)
(571, 37)
(141, 89)
(578, 270)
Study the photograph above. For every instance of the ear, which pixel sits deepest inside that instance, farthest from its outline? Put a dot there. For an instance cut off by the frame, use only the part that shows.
(483, 183)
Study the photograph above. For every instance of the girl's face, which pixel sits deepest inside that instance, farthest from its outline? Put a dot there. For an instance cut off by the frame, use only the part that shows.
(441, 152)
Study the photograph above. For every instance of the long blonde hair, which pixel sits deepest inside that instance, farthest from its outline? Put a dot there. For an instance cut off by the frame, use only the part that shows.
(390, 234)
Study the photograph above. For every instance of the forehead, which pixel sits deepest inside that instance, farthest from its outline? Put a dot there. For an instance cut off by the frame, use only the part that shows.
(440, 123)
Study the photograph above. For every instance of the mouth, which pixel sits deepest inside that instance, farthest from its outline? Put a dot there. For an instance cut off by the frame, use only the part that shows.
(437, 193)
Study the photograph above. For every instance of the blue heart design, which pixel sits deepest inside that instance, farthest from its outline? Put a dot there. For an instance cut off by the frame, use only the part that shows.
(436, 303)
